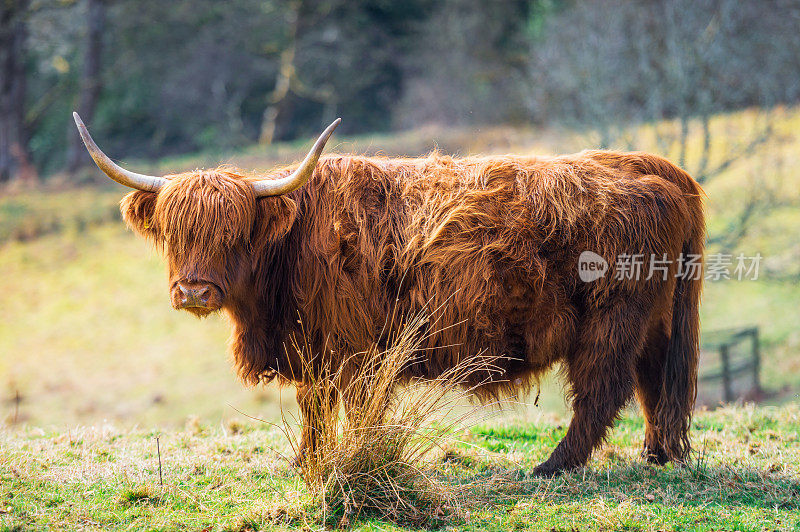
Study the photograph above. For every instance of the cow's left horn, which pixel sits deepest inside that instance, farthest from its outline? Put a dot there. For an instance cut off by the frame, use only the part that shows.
(298, 178)
(148, 183)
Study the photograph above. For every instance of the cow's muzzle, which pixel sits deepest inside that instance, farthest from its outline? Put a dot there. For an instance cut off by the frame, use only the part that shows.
(196, 295)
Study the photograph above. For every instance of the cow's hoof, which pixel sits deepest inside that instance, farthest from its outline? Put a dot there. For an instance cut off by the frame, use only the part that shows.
(655, 455)
(546, 470)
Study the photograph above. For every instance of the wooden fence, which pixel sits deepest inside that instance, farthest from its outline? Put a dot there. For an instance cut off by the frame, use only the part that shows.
(739, 357)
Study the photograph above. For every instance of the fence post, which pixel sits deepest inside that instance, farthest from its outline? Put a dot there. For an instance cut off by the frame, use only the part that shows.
(727, 392)
(756, 363)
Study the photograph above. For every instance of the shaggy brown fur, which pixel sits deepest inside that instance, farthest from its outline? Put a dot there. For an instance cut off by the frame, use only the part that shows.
(488, 245)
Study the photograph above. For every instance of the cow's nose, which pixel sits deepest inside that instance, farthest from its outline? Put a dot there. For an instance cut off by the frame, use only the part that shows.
(195, 296)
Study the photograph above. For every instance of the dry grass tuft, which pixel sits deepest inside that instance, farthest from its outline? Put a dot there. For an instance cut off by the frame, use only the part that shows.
(379, 460)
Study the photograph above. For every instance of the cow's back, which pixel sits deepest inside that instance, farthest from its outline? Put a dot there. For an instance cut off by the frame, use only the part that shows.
(486, 246)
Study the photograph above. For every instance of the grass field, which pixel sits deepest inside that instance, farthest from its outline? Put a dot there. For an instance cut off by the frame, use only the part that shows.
(231, 476)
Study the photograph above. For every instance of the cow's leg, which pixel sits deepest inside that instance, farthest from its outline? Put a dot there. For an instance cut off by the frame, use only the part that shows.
(601, 373)
(649, 381)
(315, 411)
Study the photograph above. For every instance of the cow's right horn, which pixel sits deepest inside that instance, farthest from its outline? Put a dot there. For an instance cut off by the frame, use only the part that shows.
(148, 183)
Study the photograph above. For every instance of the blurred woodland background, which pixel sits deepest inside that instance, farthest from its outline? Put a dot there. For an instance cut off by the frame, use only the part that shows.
(166, 86)
(154, 78)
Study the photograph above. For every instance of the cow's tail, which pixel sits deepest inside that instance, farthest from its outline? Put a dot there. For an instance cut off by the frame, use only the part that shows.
(679, 387)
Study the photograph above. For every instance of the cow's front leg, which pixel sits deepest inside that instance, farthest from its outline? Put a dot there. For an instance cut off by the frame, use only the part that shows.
(317, 406)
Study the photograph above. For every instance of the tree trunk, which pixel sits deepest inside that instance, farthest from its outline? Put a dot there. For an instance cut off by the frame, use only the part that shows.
(90, 83)
(14, 151)
(288, 86)
(283, 83)
(278, 98)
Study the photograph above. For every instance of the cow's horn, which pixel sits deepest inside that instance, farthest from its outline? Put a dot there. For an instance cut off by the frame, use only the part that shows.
(298, 178)
(144, 182)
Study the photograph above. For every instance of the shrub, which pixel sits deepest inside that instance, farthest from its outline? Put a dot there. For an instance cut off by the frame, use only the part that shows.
(379, 459)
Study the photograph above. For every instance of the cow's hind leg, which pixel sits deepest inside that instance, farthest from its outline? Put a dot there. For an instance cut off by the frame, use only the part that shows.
(601, 373)
(649, 381)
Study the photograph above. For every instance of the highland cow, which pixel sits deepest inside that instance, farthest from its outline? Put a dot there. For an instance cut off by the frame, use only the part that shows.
(335, 245)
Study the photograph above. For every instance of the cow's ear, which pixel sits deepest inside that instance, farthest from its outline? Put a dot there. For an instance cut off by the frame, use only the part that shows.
(274, 219)
(137, 211)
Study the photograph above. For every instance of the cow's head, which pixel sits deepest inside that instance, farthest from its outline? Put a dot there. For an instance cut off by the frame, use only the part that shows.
(208, 222)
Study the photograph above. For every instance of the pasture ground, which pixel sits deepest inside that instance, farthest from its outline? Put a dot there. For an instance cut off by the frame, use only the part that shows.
(744, 476)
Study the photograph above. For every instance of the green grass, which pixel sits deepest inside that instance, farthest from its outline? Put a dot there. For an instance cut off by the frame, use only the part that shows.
(744, 476)
(88, 335)
(30, 214)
